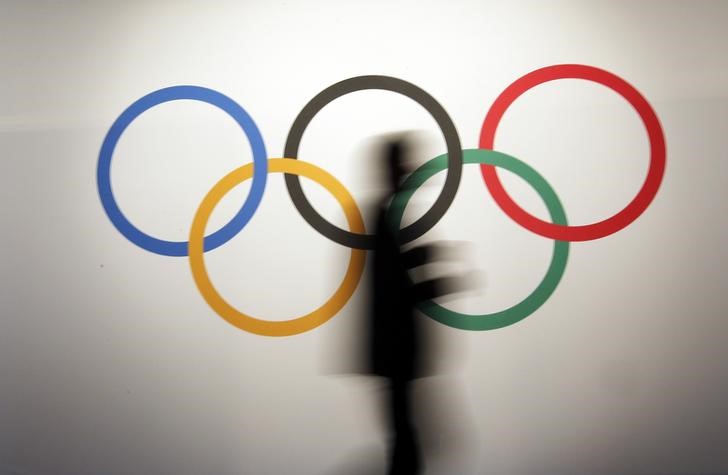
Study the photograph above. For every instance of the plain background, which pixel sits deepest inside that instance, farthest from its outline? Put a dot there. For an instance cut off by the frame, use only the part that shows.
(111, 361)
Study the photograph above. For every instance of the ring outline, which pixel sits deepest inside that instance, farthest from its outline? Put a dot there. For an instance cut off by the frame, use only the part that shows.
(387, 83)
(556, 268)
(598, 229)
(267, 327)
(198, 93)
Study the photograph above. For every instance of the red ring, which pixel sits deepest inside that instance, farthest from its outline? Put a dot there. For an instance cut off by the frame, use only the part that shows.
(589, 231)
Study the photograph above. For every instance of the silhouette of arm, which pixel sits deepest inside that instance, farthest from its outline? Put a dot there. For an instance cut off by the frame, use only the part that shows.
(429, 289)
(417, 256)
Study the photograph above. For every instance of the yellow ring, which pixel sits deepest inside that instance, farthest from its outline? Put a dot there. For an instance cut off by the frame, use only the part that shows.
(268, 327)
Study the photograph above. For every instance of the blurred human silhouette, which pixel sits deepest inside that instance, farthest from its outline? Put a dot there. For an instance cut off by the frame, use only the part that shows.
(398, 347)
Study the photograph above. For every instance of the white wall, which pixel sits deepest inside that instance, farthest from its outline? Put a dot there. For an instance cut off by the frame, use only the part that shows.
(111, 361)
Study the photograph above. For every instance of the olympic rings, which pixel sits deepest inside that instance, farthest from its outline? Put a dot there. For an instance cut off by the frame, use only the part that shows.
(355, 238)
(590, 231)
(556, 268)
(103, 173)
(452, 140)
(285, 327)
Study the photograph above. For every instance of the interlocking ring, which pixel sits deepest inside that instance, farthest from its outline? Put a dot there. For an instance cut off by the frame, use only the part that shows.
(356, 238)
(556, 268)
(452, 140)
(589, 231)
(103, 171)
(266, 327)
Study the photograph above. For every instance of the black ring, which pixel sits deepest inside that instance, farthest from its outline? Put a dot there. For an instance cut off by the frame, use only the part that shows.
(359, 83)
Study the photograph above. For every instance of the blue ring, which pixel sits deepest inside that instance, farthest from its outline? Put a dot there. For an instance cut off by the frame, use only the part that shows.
(224, 234)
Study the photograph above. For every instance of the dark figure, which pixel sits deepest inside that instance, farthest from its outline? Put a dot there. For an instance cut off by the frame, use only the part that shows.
(397, 342)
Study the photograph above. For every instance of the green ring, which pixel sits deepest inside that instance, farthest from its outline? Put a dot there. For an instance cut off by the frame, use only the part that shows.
(509, 316)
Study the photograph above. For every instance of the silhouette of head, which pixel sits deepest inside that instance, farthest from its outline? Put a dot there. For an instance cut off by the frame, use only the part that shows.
(396, 155)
